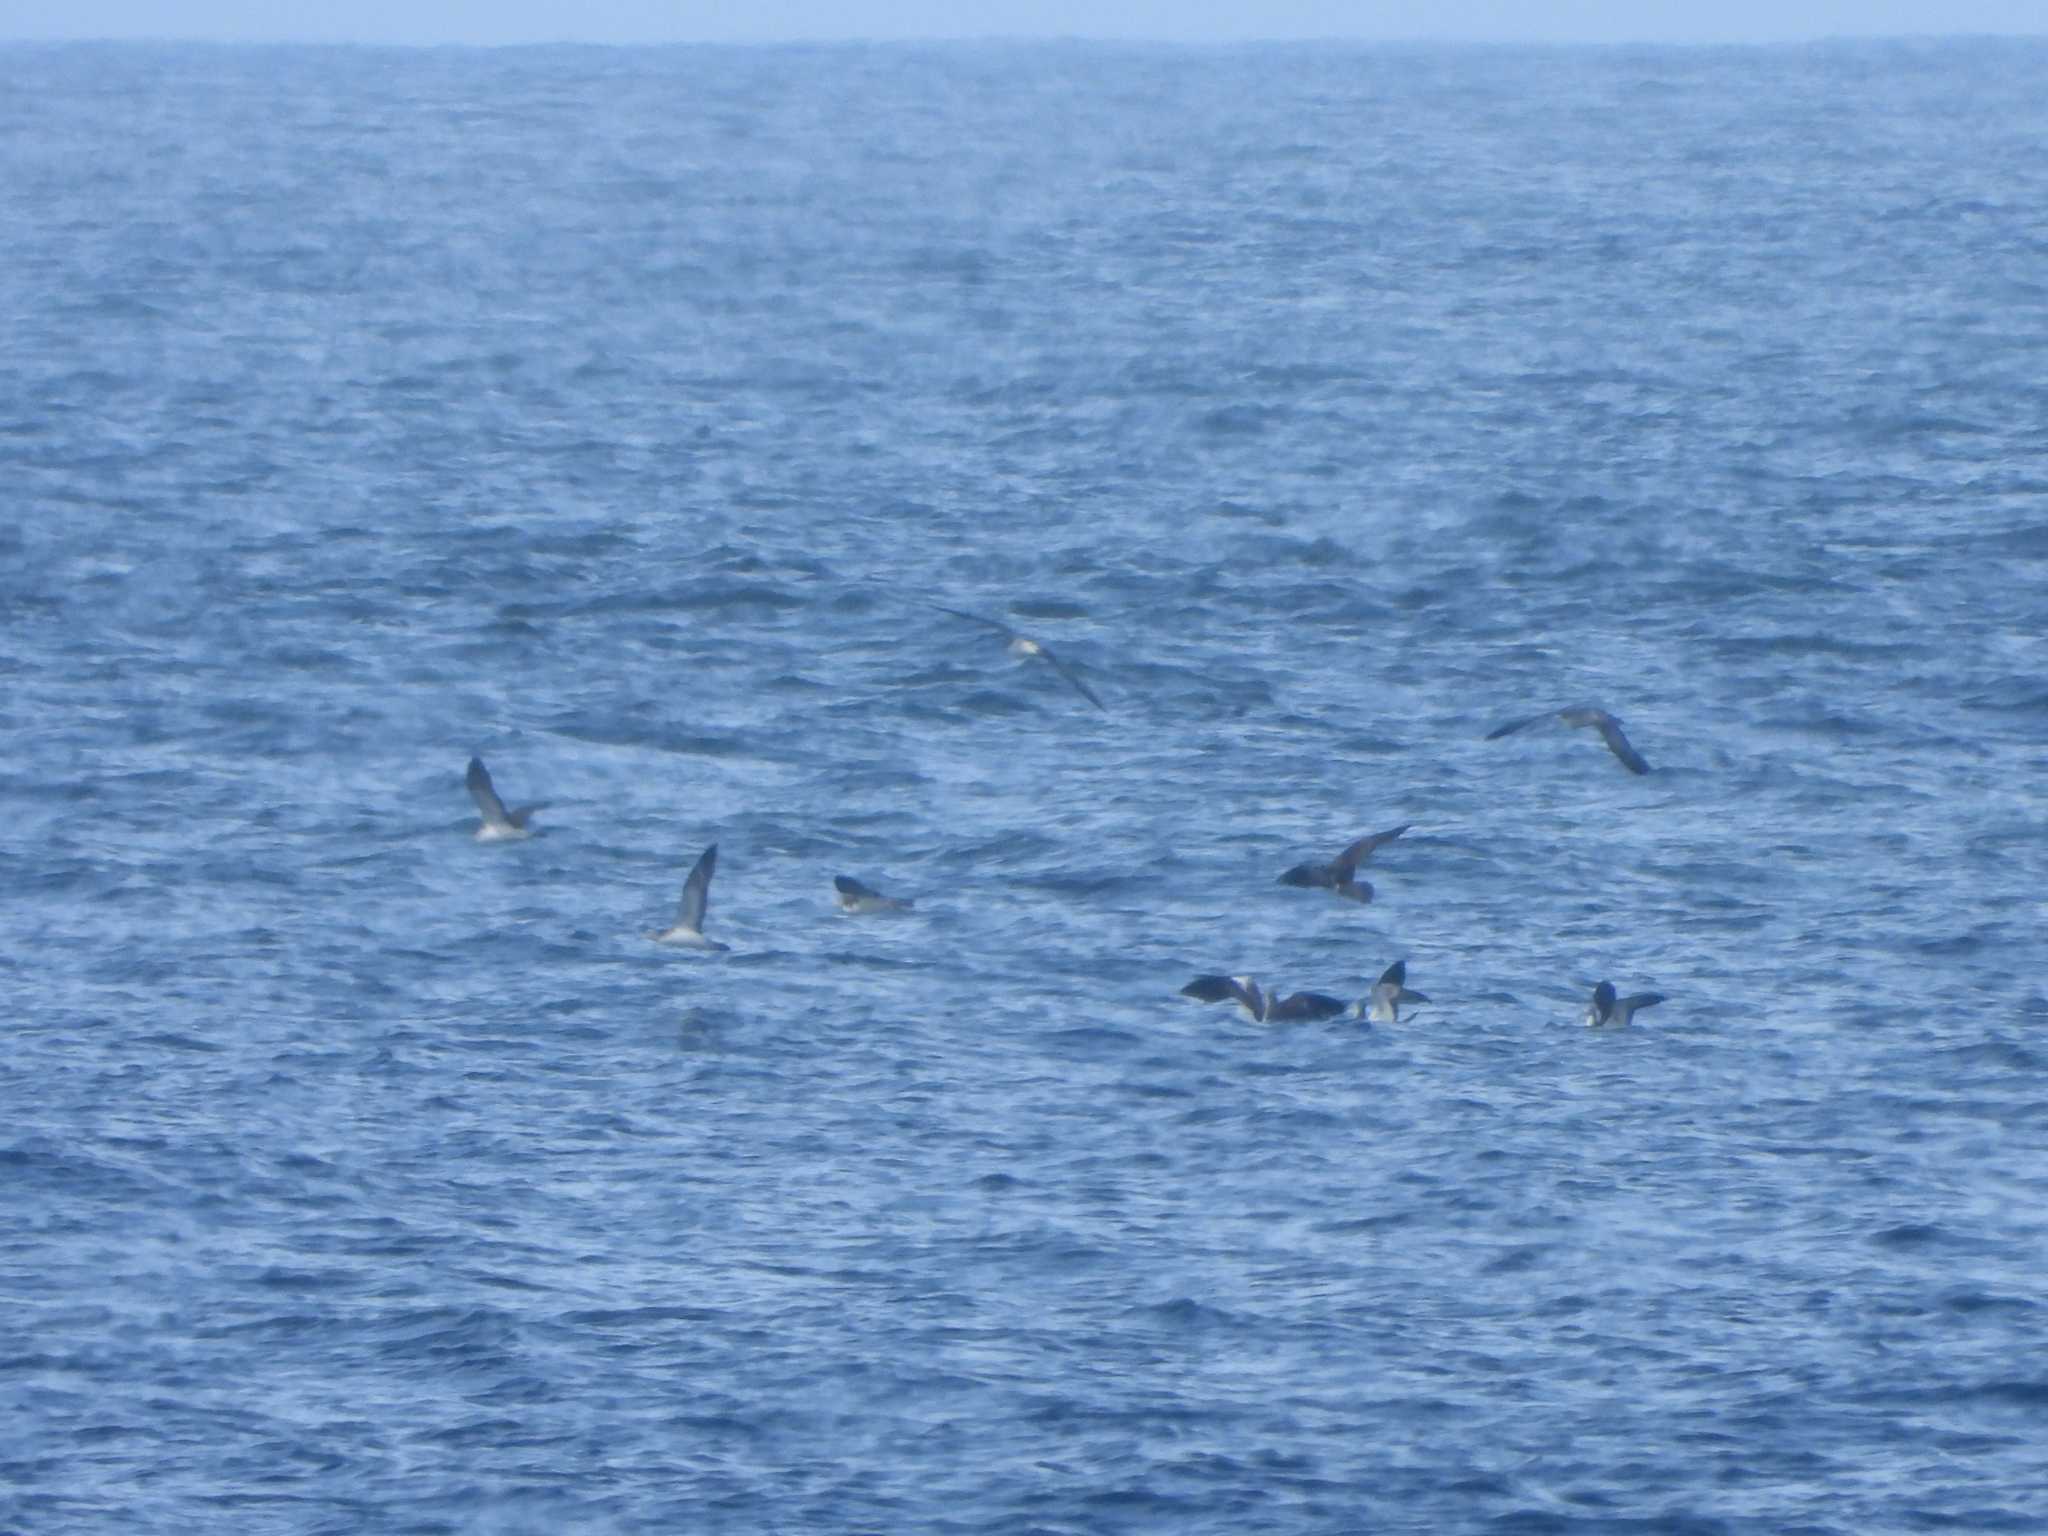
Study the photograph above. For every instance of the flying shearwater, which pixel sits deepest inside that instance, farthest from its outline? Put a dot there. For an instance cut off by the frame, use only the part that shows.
(1024, 647)
(1584, 714)
(861, 899)
(1383, 1004)
(1264, 1007)
(1338, 875)
(1606, 1008)
(688, 929)
(500, 825)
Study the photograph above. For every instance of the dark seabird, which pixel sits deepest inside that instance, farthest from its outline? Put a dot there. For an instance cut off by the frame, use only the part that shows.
(861, 899)
(1024, 647)
(1264, 1007)
(500, 825)
(1383, 1004)
(1606, 1008)
(688, 929)
(1584, 714)
(1337, 875)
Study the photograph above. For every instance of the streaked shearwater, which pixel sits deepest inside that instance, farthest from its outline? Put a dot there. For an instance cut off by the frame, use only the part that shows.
(688, 930)
(862, 899)
(1584, 714)
(1264, 1007)
(1606, 1008)
(1383, 1004)
(1338, 875)
(500, 825)
(1024, 647)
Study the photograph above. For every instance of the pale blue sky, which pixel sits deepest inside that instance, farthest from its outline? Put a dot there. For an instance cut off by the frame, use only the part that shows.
(627, 21)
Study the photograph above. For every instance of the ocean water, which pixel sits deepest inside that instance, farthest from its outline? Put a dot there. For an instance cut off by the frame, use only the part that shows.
(620, 415)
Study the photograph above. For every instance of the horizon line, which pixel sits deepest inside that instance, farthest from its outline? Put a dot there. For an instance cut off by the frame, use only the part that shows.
(1025, 39)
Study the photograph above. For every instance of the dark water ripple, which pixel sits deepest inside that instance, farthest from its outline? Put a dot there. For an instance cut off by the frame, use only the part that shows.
(618, 415)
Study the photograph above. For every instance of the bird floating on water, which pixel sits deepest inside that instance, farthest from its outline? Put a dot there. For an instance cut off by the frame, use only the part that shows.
(1264, 1007)
(1607, 1009)
(1340, 874)
(1383, 1004)
(861, 899)
(1024, 647)
(499, 825)
(1584, 714)
(688, 928)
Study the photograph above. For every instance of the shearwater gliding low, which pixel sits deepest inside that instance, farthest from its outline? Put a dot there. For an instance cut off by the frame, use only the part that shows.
(1024, 647)
(1584, 714)
(1339, 875)
(688, 929)
(500, 825)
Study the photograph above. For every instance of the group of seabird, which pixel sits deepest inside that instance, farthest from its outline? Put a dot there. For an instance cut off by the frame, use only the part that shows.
(1382, 1003)
(1025, 647)
(687, 931)
(1605, 1008)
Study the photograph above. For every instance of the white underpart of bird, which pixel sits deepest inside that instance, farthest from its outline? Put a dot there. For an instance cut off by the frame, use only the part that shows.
(499, 824)
(688, 928)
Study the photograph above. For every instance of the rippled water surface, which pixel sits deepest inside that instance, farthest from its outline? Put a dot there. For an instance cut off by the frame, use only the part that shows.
(619, 416)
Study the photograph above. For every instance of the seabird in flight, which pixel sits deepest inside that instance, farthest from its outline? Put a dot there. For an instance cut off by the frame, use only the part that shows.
(1338, 875)
(1606, 1008)
(861, 899)
(1584, 714)
(1383, 1004)
(688, 929)
(500, 825)
(1264, 1007)
(1024, 647)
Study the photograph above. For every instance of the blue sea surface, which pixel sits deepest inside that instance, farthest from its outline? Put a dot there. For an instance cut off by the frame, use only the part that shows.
(620, 416)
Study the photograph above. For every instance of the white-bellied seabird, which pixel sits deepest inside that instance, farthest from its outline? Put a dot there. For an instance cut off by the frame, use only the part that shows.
(1339, 874)
(1024, 647)
(500, 825)
(1383, 1004)
(688, 930)
(862, 899)
(1606, 1008)
(1264, 1007)
(1584, 714)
